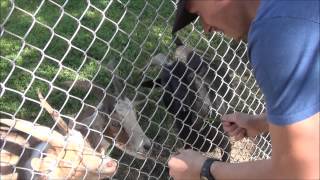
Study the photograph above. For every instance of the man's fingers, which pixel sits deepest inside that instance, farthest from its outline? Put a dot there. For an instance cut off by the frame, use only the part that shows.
(230, 128)
(181, 151)
(171, 162)
(175, 153)
(225, 118)
(235, 132)
(226, 123)
(228, 118)
(240, 135)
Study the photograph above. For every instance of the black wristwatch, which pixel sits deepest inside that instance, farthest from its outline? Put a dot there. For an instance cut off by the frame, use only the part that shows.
(205, 173)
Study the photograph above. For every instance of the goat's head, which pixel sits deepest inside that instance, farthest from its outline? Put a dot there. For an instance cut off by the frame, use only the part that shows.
(115, 116)
(138, 143)
(184, 88)
(214, 75)
(208, 80)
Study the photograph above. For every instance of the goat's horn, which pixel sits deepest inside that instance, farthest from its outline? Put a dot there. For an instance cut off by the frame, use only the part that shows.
(54, 114)
(40, 132)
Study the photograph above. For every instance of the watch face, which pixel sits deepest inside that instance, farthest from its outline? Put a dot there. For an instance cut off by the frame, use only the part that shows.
(203, 178)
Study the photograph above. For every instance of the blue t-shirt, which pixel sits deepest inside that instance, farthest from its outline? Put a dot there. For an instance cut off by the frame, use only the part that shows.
(284, 50)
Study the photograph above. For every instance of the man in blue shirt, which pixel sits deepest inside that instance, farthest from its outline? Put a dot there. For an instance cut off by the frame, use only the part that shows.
(283, 40)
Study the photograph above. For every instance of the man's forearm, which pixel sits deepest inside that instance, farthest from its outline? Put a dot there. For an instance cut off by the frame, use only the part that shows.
(262, 123)
(295, 155)
(260, 169)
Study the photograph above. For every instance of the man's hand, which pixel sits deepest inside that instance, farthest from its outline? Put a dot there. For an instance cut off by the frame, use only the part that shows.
(240, 125)
(186, 165)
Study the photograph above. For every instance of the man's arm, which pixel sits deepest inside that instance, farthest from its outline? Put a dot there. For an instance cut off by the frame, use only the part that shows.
(240, 125)
(295, 155)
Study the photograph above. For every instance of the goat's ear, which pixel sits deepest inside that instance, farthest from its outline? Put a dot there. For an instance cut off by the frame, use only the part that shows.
(151, 83)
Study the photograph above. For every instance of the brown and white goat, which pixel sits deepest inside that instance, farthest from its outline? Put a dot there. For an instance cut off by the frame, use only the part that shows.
(115, 117)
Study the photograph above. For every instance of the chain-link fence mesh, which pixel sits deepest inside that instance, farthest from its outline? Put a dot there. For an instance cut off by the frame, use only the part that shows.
(109, 69)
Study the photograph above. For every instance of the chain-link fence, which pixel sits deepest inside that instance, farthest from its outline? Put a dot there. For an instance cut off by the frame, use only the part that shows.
(98, 89)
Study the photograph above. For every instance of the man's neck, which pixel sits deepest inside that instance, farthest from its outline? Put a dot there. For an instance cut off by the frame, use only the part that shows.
(251, 7)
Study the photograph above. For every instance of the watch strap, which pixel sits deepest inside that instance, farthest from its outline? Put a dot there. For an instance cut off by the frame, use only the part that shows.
(205, 173)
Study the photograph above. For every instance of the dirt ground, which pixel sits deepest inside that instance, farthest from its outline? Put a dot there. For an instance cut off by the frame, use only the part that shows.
(247, 150)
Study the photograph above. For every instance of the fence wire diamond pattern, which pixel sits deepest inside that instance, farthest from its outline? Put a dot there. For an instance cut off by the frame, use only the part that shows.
(98, 90)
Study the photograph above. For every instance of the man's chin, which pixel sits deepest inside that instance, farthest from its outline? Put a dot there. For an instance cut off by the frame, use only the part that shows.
(236, 35)
(242, 37)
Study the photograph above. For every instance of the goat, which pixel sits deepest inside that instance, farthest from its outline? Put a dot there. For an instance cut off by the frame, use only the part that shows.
(48, 154)
(191, 91)
(116, 118)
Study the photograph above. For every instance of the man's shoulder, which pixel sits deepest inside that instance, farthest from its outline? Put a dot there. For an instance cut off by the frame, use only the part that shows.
(289, 19)
(282, 35)
(284, 54)
(299, 9)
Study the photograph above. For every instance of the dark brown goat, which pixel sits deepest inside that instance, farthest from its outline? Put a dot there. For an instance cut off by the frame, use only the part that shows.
(192, 91)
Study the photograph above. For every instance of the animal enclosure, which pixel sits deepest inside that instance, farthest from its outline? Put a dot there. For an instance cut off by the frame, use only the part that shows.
(113, 77)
